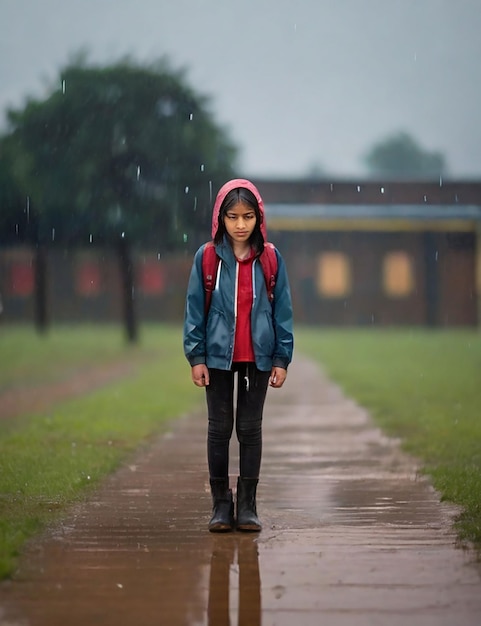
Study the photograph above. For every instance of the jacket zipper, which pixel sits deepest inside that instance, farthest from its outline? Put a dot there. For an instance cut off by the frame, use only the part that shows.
(254, 283)
(236, 290)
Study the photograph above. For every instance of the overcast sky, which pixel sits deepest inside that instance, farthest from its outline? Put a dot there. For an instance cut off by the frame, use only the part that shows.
(298, 83)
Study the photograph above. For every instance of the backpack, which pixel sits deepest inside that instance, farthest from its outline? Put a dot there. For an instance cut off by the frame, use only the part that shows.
(210, 264)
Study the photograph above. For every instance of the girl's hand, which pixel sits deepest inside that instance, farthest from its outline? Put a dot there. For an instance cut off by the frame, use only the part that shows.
(200, 375)
(278, 376)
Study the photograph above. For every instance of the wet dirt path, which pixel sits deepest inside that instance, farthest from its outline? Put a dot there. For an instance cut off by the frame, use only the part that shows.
(351, 535)
(38, 398)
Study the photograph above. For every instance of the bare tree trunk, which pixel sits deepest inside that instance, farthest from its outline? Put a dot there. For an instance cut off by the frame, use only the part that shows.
(128, 295)
(40, 294)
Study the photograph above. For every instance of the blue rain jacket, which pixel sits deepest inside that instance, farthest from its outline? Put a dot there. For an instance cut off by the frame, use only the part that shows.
(211, 340)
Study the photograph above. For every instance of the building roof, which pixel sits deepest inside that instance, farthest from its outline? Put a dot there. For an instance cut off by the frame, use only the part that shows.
(452, 217)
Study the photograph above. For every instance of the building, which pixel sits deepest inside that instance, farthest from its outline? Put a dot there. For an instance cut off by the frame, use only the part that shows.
(364, 253)
(379, 254)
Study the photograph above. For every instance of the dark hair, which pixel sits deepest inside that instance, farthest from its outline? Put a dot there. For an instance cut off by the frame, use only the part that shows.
(245, 196)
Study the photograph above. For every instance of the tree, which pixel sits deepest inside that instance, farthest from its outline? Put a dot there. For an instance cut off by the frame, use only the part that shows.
(400, 156)
(120, 155)
(14, 207)
(119, 151)
(19, 223)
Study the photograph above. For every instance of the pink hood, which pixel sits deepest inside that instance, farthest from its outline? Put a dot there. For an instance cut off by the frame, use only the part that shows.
(224, 190)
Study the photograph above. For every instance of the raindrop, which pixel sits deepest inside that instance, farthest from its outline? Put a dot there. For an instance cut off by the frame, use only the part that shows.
(53, 234)
(191, 117)
(358, 188)
(382, 189)
(138, 172)
(195, 203)
(186, 189)
(123, 234)
(16, 229)
(91, 238)
(158, 256)
(436, 255)
(185, 237)
(456, 198)
(202, 167)
(28, 209)
(425, 198)
(120, 586)
(372, 318)
(210, 191)
(63, 86)
(332, 187)
(88, 477)
(440, 181)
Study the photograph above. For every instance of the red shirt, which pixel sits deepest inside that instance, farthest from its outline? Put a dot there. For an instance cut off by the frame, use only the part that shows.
(243, 348)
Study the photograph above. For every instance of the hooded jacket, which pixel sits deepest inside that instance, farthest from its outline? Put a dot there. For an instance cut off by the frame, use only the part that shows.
(209, 338)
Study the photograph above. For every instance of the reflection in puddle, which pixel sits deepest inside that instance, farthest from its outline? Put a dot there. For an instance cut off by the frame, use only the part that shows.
(234, 582)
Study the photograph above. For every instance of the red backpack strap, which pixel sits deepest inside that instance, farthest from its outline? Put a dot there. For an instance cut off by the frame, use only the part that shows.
(210, 263)
(268, 260)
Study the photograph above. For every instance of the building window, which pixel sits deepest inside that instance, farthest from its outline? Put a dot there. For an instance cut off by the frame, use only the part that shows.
(151, 279)
(88, 280)
(398, 275)
(334, 278)
(22, 279)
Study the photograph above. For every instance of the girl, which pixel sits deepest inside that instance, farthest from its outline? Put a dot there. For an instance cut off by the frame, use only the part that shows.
(242, 332)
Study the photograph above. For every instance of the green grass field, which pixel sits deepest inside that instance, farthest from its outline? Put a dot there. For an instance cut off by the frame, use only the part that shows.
(422, 386)
(27, 359)
(48, 461)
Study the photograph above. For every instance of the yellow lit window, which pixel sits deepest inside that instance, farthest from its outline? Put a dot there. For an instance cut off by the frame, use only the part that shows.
(398, 275)
(333, 275)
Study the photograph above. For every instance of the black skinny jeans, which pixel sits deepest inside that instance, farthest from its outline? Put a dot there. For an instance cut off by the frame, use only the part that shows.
(251, 394)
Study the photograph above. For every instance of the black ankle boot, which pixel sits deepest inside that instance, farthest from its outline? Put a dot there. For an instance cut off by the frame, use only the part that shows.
(246, 505)
(222, 519)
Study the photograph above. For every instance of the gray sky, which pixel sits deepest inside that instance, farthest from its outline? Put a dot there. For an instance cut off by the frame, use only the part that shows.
(297, 82)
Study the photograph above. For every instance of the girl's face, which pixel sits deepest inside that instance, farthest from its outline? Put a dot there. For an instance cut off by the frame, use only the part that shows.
(239, 222)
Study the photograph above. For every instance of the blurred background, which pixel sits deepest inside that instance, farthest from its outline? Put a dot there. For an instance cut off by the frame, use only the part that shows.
(357, 120)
